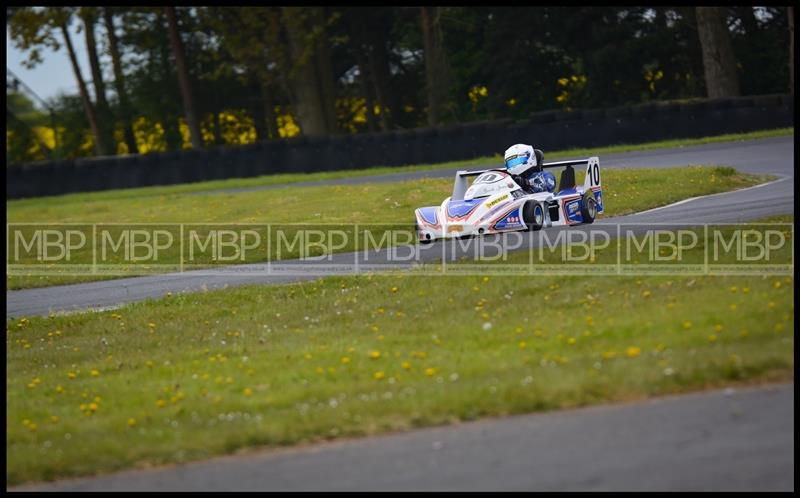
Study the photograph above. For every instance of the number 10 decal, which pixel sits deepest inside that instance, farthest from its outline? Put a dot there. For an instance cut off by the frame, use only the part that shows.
(593, 172)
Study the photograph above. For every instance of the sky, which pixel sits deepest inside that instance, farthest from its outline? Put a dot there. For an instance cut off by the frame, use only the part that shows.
(54, 75)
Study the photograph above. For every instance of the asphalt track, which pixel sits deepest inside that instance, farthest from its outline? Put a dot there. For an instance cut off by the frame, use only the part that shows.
(729, 440)
(771, 156)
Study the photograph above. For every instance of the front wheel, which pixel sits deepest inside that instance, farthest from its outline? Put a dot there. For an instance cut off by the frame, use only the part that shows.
(589, 207)
(421, 239)
(533, 212)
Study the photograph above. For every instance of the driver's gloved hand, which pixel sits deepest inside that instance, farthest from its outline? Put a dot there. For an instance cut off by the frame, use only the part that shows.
(522, 182)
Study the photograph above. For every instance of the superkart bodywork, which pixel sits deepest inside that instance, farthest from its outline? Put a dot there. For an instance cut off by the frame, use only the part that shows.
(505, 206)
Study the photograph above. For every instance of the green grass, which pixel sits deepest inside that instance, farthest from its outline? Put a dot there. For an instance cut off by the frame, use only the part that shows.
(284, 179)
(625, 190)
(195, 375)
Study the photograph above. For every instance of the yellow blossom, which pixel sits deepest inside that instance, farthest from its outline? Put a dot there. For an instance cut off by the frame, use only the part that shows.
(248, 391)
(406, 365)
(345, 360)
(687, 324)
(71, 375)
(375, 355)
(712, 338)
(430, 371)
(378, 375)
(633, 352)
(161, 403)
(131, 422)
(95, 373)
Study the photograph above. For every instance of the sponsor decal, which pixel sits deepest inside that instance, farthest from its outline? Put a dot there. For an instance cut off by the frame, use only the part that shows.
(572, 207)
(454, 228)
(497, 201)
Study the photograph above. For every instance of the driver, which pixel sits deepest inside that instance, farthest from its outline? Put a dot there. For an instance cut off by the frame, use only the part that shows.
(524, 167)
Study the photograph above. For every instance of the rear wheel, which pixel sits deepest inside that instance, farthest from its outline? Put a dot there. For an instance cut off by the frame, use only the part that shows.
(588, 207)
(533, 213)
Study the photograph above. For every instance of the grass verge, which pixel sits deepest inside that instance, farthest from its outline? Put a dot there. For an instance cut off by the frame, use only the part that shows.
(195, 375)
(625, 191)
(284, 179)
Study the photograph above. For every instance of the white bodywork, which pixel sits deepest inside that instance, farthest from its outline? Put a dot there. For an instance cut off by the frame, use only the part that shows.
(495, 203)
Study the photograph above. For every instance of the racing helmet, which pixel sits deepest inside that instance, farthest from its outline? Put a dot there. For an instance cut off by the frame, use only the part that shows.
(518, 158)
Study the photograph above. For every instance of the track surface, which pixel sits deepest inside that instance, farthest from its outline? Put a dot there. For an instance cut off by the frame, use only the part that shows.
(731, 440)
(773, 156)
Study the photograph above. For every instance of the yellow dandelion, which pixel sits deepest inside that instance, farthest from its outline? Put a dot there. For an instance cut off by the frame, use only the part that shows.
(71, 375)
(771, 305)
(93, 407)
(607, 355)
(54, 419)
(633, 352)
(779, 327)
(161, 403)
(248, 391)
(59, 389)
(522, 344)
(131, 422)
(687, 325)
(378, 375)
(374, 354)
(571, 341)
(712, 338)
(394, 289)
(778, 284)
(430, 371)
(345, 360)
(32, 427)
(718, 328)
(646, 293)
(406, 365)
(95, 373)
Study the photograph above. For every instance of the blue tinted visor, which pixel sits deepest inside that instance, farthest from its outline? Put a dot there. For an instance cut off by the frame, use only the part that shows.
(514, 161)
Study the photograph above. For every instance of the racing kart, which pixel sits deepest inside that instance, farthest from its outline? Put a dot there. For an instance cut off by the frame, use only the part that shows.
(496, 203)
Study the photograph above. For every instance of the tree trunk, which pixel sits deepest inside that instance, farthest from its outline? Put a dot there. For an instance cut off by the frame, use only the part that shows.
(119, 82)
(325, 84)
(87, 103)
(364, 79)
(304, 83)
(268, 108)
(105, 119)
(791, 50)
(169, 120)
(183, 79)
(719, 63)
(381, 76)
(435, 69)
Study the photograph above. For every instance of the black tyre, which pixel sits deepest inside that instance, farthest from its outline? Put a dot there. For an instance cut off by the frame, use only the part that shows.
(588, 207)
(533, 213)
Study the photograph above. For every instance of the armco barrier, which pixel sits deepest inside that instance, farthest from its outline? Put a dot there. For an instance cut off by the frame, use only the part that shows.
(549, 130)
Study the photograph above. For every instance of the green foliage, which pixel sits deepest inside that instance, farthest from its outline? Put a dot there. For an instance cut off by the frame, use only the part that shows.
(502, 62)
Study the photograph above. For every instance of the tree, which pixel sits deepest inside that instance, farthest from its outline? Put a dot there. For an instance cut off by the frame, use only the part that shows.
(719, 63)
(105, 120)
(436, 73)
(183, 79)
(119, 81)
(33, 29)
(309, 69)
(791, 49)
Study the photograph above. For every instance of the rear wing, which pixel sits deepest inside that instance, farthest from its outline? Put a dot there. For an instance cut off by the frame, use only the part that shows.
(590, 164)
